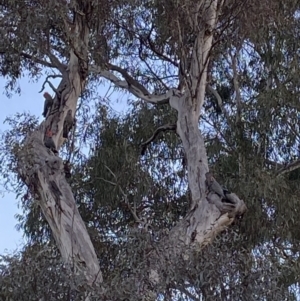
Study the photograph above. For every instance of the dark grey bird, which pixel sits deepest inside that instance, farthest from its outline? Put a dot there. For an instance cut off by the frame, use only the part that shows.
(214, 186)
(47, 104)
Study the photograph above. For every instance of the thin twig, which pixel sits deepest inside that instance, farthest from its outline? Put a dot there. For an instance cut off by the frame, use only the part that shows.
(133, 212)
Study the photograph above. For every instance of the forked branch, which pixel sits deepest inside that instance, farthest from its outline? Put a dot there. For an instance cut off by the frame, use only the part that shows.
(163, 128)
(132, 85)
(49, 83)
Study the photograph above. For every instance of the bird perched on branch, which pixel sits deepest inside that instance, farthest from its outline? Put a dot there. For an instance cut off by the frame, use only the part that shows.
(48, 103)
(68, 124)
(48, 141)
(215, 187)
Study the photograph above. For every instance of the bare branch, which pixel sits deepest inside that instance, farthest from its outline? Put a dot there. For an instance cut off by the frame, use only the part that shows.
(163, 128)
(236, 87)
(130, 80)
(107, 181)
(151, 70)
(288, 168)
(49, 83)
(158, 53)
(56, 62)
(37, 60)
(134, 89)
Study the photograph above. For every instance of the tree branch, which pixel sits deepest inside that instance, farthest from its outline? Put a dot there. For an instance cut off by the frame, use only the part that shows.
(56, 62)
(130, 80)
(43, 173)
(158, 53)
(133, 212)
(151, 70)
(49, 83)
(281, 168)
(37, 60)
(136, 90)
(163, 128)
(288, 168)
(217, 96)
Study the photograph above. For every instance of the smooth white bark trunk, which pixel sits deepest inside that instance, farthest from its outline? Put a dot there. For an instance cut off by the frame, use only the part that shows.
(43, 172)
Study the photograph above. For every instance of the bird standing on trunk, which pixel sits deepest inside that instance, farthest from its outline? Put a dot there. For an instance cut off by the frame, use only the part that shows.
(214, 186)
(48, 103)
(48, 141)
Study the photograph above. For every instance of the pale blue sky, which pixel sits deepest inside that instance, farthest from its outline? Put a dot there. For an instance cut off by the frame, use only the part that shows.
(29, 101)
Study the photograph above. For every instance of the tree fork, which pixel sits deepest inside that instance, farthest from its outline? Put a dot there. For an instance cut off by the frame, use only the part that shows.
(209, 214)
(42, 170)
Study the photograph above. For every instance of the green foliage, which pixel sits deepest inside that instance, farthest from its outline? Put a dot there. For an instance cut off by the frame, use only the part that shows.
(256, 54)
(36, 273)
(115, 185)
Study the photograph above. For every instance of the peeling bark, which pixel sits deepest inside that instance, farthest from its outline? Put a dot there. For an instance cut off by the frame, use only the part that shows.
(210, 212)
(44, 174)
(43, 171)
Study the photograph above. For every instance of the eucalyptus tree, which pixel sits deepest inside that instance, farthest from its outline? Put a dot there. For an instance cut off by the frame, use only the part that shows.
(164, 53)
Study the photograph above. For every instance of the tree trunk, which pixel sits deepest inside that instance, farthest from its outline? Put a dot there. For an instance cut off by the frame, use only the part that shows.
(210, 213)
(43, 171)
